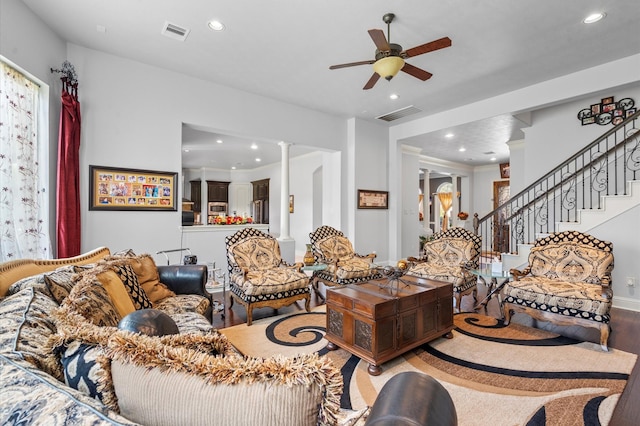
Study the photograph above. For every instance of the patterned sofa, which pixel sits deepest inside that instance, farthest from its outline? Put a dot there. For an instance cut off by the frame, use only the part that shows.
(567, 282)
(449, 256)
(64, 361)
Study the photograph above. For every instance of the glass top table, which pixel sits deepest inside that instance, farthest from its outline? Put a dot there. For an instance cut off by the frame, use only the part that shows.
(496, 281)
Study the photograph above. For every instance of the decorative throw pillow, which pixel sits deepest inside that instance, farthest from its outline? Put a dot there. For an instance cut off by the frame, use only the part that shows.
(117, 292)
(37, 282)
(130, 280)
(26, 328)
(147, 272)
(61, 281)
(306, 389)
(90, 299)
(88, 370)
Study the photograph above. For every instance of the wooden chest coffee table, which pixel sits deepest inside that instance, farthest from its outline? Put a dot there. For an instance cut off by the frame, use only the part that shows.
(378, 321)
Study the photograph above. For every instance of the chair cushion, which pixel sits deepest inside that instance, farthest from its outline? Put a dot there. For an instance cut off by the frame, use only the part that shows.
(459, 277)
(577, 299)
(335, 247)
(256, 253)
(570, 262)
(450, 251)
(270, 281)
(354, 267)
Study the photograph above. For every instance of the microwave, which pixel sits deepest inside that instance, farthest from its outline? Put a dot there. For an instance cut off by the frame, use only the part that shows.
(217, 208)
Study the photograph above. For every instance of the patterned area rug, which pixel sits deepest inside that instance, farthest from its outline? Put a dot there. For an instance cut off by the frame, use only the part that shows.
(496, 375)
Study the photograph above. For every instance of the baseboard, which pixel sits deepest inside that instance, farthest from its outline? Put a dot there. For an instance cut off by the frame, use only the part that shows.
(626, 303)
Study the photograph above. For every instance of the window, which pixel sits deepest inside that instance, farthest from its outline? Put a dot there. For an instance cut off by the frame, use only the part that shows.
(24, 208)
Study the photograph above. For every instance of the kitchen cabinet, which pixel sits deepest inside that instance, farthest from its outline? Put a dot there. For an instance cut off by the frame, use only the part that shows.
(195, 195)
(218, 191)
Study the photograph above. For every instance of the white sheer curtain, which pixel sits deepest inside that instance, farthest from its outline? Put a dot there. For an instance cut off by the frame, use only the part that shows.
(23, 203)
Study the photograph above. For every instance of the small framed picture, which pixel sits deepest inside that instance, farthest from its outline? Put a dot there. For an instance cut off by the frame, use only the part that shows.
(588, 120)
(608, 100)
(630, 112)
(608, 107)
(504, 171)
(617, 120)
(290, 203)
(373, 199)
(595, 109)
(584, 113)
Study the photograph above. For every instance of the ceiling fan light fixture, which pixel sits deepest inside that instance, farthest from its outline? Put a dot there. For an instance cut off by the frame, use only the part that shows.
(388, 67)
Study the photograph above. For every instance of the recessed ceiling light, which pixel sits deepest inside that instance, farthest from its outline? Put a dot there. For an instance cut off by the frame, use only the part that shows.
(186, 150)
(393, 96)
(463, 149)
(449, 135)
(254, 146)
(594, 17)
(216, 25)
(258, 160)
(233, 167)
(219, 141)
(493, 158)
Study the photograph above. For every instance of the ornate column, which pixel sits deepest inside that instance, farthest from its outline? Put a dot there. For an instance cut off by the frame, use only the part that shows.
(284, 191)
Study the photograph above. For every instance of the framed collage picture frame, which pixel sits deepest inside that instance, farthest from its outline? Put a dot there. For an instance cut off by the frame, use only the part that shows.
(373, 199)
(113, 188)
(608, 111)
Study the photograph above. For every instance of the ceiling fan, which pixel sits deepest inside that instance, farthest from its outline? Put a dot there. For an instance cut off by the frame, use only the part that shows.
(389, 57)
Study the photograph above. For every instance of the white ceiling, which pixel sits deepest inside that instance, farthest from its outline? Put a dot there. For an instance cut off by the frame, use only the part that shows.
(283, 49)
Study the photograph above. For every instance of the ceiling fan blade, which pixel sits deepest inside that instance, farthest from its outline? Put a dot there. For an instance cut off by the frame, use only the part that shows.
(372, 81)
(380, 40)
(416, 72)
(427, 47)
(351, 64)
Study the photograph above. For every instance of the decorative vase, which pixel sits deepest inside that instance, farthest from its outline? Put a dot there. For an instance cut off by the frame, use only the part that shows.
(309, 259)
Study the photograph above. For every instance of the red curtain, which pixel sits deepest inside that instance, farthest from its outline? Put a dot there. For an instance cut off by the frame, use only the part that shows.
(68, 187)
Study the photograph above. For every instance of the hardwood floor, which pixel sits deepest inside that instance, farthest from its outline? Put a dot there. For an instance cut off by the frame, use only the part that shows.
(624, 330)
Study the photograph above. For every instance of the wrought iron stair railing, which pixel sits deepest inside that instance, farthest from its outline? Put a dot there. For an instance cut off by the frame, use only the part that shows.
(601, 168)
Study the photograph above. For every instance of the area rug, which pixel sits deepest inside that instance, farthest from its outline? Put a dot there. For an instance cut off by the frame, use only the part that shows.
(496, 375)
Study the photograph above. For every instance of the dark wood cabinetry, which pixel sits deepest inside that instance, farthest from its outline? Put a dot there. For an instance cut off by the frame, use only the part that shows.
(378, 322)
(260, 209)
(195, 195)
(260, 189)
(218, 191)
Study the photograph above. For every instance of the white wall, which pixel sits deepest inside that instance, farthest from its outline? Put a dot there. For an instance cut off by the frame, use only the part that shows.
(556, 133)
(132, 117)
(483, 178)
(368, 228)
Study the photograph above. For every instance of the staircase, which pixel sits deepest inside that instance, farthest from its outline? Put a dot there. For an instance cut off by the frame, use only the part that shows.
(596, 184)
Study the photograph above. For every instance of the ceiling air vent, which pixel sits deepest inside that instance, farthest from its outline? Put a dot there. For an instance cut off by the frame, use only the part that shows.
(174, 31)
(400, 113)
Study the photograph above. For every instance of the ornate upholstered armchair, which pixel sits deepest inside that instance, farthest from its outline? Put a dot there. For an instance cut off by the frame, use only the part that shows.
(344, 265)
(259, 277)
(567, 282)
(449, 256)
